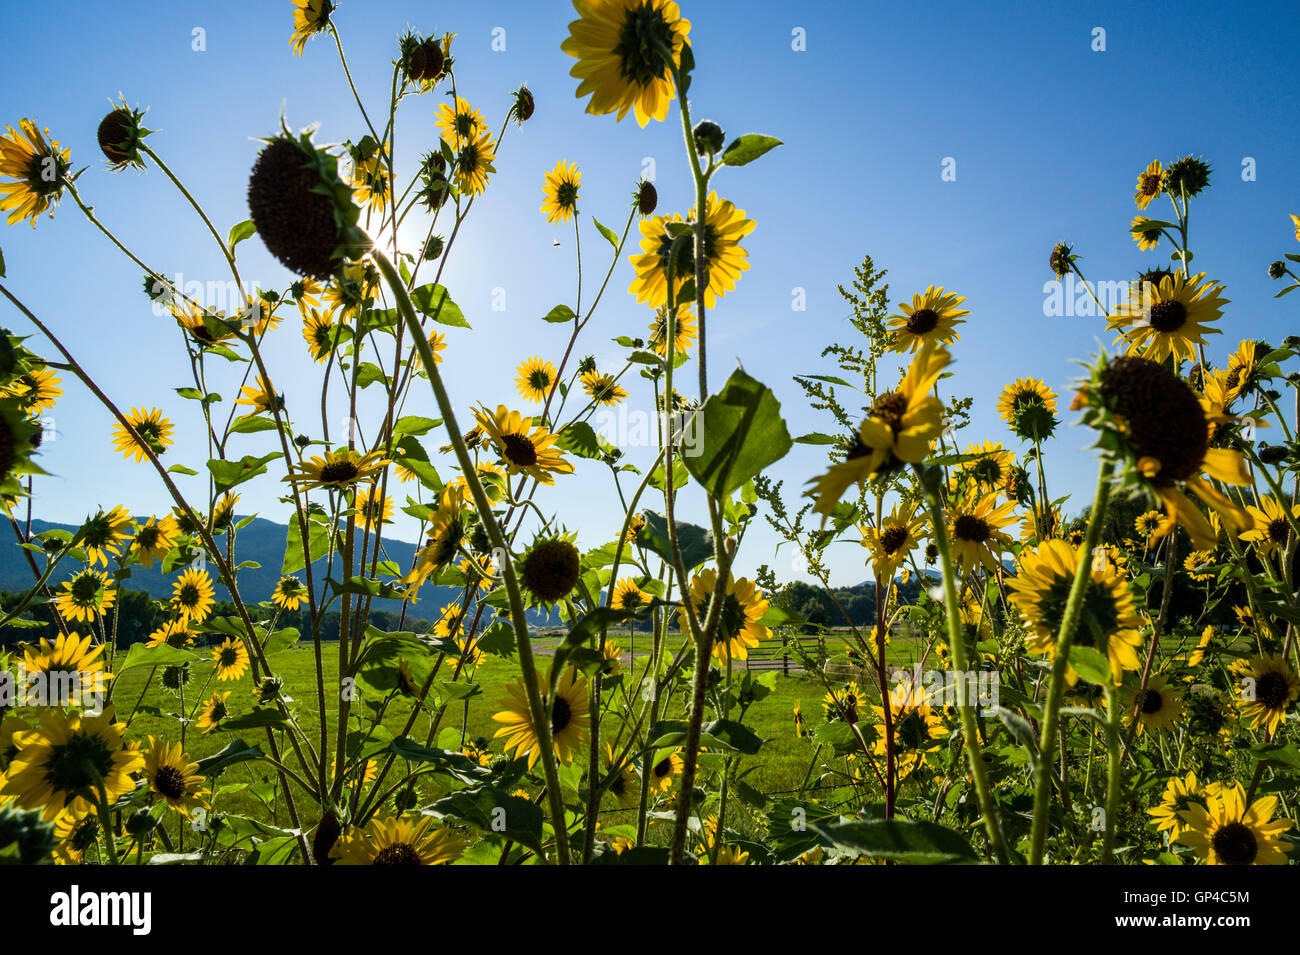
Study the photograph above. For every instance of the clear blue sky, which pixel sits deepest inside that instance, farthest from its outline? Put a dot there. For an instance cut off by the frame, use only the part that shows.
(1048, 137)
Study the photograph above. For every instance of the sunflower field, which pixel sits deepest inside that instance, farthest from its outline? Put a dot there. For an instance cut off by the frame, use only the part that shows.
(1116, 685)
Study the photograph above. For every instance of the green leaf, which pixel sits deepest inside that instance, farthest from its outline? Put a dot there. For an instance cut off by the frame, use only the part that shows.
(815, 437)
(250, 424)
(558, 315)
(748, 148)
(259, 717)
(582, 439)
(899, 840)
(1090, 665)
(237, 751)
(449, 761)
(725, 735)
(240, 232)
(280, 640)
(607, 232)
(738, 432)
(694, 542)
(495, 811)
(432, 300)
(414, 425)
(160, 656)
(318, 538)
(228, 474)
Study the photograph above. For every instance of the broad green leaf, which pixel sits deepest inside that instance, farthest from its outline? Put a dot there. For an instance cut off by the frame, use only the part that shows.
(748, 148)
(558, 315)
(236, 751)
(899, 840)
(607, 232)
(240, 232)
(1090, 665)
(432, 300)
(160, 656)
(735, 435)
(694, 542)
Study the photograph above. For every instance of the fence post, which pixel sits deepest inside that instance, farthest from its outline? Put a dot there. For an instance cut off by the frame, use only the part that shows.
(785, 657)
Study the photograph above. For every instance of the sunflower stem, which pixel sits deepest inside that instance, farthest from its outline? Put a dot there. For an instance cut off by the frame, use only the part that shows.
(536, 705)
(1056, 688)
(1113, 771)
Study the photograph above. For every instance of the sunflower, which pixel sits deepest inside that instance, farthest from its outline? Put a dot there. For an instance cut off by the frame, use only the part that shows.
(36, 390)
(318, 332)
(800, 724)
(569, 718)
(743, 607)
(1197, 656)
(992, 466)
(1242, 370)
(683, 328)
(1170, 322)
(623, 782)
(523, 448)
(1023, 392)
(620, 46)
(309, 18)
(213, 712)
(1150, 184)
(74, 833)
(1179, 796)
(975, 529)
(1196, 560)
(1161, 707)
(261, 397)
(353, 289)
(932, 317)
(459, 124)
(1147, 524)
(1270, 529)
(154, 540)
(68, 669)
(373, 506)
(370, 183)
(400, 840)
(1159, 423)
(918, 728)
(474, 163)
(1109, 621)
(446, 531)
(201, 325)
(437, 345)
(231, 660)
(86, 595)
(724, 259)
(192, 595)
(628, 596)
(561, 192)
(843, 705)
(899, 428)
(603, 389)
(662, 771)
(1228, 832)
(172, 776)
(289, 593)
(1268, 686)
(102, 534)
(449, 622)
(338, 469)
(534, 379)
(173, 633)
(38, 168)
(61, 764)
(894, 540)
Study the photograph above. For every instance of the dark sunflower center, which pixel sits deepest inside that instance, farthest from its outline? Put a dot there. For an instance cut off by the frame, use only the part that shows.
(1149, 184)
(178, 638)
(1277, 531)
(399, 853)
(922, 320)
(561, 714)
(1168, 316)
(890, 408)
(1235, 844)
(217, 711)
(189, 596)
(170, 782)
(968, 527)
(85, 589)
(619, 786)
(1271, 690)
(566, 195)
(539, 379)
(642, 42)
(470, 159)
(1164, 416)
(339, 472)
(45, 174)
(465, 125)
(663, 768)
(520, 450)
(988, 470)
(229, 657)
(69, 767)
(148, 537)
(1100, 615)
(911, 730)
(893, 538)
(1233, 379)
(1152, 702)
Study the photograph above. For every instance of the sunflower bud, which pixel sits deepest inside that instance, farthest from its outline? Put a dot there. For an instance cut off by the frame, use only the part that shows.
(1272, 454)
(433, 248)
(647, 197)
(524, 104)
(1061, 260)
(708, 137)
(120, 135)
(1187, 176)
(1277, 269)
(140, 823)
(426, 62)
(267, 690)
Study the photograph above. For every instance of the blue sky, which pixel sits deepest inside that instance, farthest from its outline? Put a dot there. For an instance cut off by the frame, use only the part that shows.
(1047, 135)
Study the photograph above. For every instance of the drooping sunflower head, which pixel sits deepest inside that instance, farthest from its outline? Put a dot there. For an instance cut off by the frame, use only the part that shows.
(551, 568)
(423, 61)
(37, 169)
(303, 211)
(627, 51)
(309, 18)
(1061, 261)
(525, 104)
